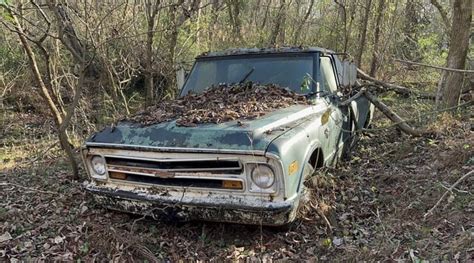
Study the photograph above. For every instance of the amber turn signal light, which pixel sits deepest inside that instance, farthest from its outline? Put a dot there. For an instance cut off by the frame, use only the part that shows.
(232, 184)
(119, 176)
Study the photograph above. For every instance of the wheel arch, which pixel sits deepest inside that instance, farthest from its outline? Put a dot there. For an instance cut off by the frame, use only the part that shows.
(315, 157)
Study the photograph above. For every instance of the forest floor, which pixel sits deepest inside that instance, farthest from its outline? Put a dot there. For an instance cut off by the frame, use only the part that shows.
(375, 205)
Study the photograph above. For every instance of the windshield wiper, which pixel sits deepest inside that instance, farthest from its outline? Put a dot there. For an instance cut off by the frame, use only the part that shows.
(247, 75)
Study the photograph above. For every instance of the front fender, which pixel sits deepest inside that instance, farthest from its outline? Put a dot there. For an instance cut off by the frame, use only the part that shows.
(294, 149)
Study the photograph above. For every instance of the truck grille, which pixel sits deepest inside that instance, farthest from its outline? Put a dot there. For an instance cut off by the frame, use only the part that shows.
(200, 173)
(183, 182)
(178, 165)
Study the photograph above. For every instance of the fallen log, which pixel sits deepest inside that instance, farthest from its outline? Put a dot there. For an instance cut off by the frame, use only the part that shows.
(394, 87)
(399, 122)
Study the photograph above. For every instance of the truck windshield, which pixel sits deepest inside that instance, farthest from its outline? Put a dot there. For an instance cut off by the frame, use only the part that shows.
(286, 71)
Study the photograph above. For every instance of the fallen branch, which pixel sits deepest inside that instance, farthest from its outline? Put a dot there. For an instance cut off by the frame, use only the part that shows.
(435, 67)
(394, 87)
(401, 124)
(450, 189)
(27, 188)
(465, 104)
(397, 88)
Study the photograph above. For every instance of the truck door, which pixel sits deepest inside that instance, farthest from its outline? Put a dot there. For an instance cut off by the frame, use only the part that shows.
(333, 128)
(361, 108)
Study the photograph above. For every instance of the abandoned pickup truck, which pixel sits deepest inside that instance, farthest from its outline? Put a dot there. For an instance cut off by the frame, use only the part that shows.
(244, 170)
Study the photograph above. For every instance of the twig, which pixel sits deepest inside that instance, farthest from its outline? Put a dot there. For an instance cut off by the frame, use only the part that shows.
(27, 188)
(450, 189)
(455, 189)
(435, 67)
(321, 214)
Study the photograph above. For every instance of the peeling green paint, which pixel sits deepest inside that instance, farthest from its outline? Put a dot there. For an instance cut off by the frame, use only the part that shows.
(235, 135)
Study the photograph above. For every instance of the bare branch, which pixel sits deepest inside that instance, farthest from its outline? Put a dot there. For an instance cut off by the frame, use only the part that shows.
(435, 67)
(450, 189)
(442, 12)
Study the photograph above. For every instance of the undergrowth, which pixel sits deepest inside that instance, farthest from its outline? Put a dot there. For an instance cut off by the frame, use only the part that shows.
(370, 208)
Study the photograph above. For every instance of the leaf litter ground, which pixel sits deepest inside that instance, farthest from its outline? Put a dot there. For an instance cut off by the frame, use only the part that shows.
(374, 206)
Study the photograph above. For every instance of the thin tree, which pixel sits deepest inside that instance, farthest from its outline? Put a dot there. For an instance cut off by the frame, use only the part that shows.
(303, 22)
(234, 8)
(151, 10)
(451, 83)
(279, 24)
(378, 26)
(69, 39)
(363, 33)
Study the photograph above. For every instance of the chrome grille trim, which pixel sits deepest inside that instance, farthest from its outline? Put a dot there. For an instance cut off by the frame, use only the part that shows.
(175, 161)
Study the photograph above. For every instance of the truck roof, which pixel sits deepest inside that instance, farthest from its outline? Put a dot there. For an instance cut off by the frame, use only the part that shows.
(257, 51)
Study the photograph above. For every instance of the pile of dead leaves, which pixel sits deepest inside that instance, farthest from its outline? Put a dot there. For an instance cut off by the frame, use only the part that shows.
(220, 104)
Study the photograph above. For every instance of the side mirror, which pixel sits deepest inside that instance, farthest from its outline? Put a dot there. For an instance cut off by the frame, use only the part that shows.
(180, 77)
(349, 74)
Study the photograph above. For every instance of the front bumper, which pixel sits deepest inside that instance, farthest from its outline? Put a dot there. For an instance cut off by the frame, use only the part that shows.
(160, 205)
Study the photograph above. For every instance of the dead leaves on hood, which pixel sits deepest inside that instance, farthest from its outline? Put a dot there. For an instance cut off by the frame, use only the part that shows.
(220, 104)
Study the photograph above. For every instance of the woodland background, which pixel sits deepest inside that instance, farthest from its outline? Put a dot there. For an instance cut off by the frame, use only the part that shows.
(67, 68)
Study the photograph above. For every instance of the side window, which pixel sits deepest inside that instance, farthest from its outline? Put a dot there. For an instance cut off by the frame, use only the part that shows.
(327, 73)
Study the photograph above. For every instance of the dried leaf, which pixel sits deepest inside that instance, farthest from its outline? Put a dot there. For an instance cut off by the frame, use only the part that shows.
(220, 104)
(58, 239)
(5, 237)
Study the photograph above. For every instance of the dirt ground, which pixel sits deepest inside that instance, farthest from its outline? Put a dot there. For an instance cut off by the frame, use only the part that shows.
(374, 206)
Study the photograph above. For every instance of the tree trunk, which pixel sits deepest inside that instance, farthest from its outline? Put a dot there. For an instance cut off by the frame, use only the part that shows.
(378, 25)
(58, 120)
(212, 33)
(409, 47)
(282, 34)
(234, 7)
(451, 82)
(278, 24)
(363, 33)
(151, 10)
(442, 12)
(301, 26)
(343, 14)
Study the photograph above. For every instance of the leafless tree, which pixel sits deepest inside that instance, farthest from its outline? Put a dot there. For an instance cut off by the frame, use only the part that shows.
(451, 83)
(151, 10)
(363, 33)
(68, 38)
(378, 27)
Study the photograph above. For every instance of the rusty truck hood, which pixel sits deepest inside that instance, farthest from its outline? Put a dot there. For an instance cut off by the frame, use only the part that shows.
(244, 135)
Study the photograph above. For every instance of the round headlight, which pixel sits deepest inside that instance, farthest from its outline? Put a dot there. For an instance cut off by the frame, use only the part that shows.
(263, 176)
(98, 165)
